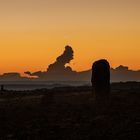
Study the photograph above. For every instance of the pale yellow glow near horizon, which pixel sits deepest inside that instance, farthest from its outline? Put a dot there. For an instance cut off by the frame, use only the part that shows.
(34, 33)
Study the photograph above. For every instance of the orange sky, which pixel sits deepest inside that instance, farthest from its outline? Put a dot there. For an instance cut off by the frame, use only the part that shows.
(34, 32)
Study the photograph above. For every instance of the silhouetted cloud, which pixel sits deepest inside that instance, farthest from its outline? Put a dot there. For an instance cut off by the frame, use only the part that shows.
(118, 74)
(58, 71)
(13, 76)
(59, 65)
(28, 73)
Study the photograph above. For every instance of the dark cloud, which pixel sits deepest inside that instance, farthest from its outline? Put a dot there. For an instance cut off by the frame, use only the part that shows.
(38, 73)
(59, 65)
(13, 76)
(28, 73)
(58, 71)
(118, 74)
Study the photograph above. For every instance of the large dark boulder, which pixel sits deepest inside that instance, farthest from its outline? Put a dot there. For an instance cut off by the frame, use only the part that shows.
(101, 79)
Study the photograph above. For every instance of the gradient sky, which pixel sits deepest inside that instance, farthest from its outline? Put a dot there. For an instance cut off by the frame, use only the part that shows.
(34, 32)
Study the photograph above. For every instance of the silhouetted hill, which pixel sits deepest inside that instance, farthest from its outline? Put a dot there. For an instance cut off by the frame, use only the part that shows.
(123, 73)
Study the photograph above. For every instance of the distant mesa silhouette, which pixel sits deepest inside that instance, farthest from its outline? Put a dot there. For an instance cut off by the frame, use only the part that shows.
(124, 74)
(101, 79)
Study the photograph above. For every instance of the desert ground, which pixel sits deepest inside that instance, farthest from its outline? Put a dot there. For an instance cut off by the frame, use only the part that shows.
(70, 113)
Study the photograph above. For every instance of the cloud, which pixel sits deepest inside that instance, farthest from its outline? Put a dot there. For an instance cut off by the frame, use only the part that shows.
(12, 76)
(58, 71)
(118, 74)
(59, 65)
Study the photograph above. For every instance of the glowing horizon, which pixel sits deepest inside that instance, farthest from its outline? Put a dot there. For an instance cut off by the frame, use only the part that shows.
(34, 32)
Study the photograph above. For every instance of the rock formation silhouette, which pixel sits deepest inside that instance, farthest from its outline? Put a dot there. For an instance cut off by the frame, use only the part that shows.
(101, 79)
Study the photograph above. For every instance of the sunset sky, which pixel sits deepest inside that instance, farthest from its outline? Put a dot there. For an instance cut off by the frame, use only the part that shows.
(34, 32)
